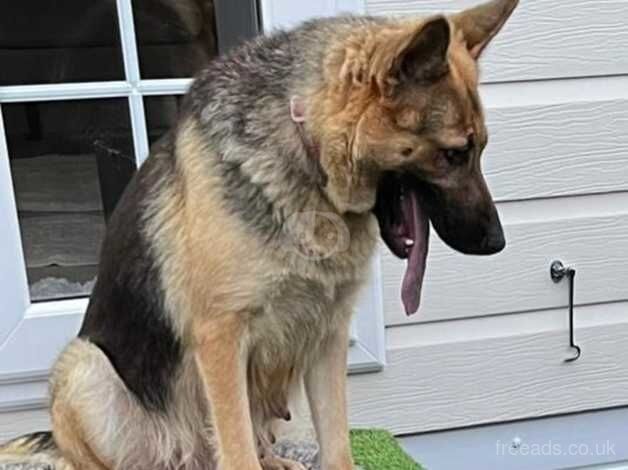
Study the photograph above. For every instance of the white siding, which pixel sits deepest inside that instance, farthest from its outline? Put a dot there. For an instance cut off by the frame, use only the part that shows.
(16, 423)
(518, 279)
(457, 374)
(545, 38)
(489, 343)
(548, 147)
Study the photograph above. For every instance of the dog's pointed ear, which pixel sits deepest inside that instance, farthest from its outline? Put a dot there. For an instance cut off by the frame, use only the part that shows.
(479, 25)
(422, 55)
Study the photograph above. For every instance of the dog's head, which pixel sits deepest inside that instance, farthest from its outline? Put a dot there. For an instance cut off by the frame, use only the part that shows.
(403, 132)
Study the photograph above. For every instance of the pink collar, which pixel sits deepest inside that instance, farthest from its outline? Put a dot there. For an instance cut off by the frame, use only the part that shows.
(297, 113)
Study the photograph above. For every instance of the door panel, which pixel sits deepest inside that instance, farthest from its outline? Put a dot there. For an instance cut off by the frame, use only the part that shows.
(70, 162)
(13, 283)
(43, 41)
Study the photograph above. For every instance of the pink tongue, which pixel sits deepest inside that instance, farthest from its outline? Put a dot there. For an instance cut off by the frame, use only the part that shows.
(415, 270)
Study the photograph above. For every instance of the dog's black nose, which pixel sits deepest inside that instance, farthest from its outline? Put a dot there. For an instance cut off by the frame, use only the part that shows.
(494, 241)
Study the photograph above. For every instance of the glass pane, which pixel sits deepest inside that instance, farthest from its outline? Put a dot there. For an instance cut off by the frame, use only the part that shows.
(177, 38)
(70, 162)
(161, 115)
(52, 41)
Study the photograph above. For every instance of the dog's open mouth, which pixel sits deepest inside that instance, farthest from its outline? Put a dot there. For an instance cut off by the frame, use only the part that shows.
(405, 228)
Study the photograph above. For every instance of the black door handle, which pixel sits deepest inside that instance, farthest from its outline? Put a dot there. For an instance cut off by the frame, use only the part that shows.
(558, 272)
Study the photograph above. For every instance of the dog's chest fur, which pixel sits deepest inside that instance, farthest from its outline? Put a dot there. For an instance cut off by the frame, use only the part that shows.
(291, 290)
(306, 299)
(301, 310)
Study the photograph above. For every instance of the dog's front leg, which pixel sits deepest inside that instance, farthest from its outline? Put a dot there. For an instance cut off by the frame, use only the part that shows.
(222, 360)
(326, 389)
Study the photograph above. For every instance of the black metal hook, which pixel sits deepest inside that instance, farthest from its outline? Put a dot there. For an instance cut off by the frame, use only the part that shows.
(558, 272)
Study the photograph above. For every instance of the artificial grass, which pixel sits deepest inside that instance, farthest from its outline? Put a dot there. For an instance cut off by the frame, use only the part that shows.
(378, 450)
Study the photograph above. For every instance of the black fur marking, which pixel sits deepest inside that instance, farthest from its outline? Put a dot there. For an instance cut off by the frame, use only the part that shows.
(39, 442)
(248, 200)
(125, 317)
(242, 82)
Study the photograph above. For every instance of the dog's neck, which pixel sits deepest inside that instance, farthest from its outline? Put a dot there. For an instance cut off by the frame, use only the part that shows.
(312, 148)
(298, 116)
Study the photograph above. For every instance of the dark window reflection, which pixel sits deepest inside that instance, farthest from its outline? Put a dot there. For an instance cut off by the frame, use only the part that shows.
(55, 41)
(177, 38)
(70, 162)
(161, 115)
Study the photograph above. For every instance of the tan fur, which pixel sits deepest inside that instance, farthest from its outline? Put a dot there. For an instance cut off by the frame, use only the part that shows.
(84, 388)
(240, 285)
(186, 244)
(222, 359)
(326, 390)
(362, 118)
(18, 451)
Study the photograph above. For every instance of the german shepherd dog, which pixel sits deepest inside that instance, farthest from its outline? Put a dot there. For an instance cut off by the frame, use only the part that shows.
(233, 260)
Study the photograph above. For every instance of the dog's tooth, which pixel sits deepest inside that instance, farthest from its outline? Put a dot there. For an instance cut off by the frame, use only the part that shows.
(409, 242)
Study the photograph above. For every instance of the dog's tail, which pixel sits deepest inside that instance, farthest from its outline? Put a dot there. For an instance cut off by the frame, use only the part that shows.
(37, 451)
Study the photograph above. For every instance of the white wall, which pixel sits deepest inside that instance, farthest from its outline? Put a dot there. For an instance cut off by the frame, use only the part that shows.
(490, 341)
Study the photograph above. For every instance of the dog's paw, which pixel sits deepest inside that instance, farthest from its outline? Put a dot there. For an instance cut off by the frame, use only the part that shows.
(271, 462)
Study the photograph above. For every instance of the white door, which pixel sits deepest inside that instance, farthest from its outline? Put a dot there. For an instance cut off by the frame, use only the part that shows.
(84, 90)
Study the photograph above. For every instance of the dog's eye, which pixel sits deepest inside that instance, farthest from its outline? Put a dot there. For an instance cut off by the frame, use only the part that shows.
(457, 156)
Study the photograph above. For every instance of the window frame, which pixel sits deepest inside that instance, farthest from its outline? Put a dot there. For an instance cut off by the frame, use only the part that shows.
(32, 334)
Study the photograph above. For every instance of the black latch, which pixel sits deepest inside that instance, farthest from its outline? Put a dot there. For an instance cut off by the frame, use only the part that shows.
(558, 272)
